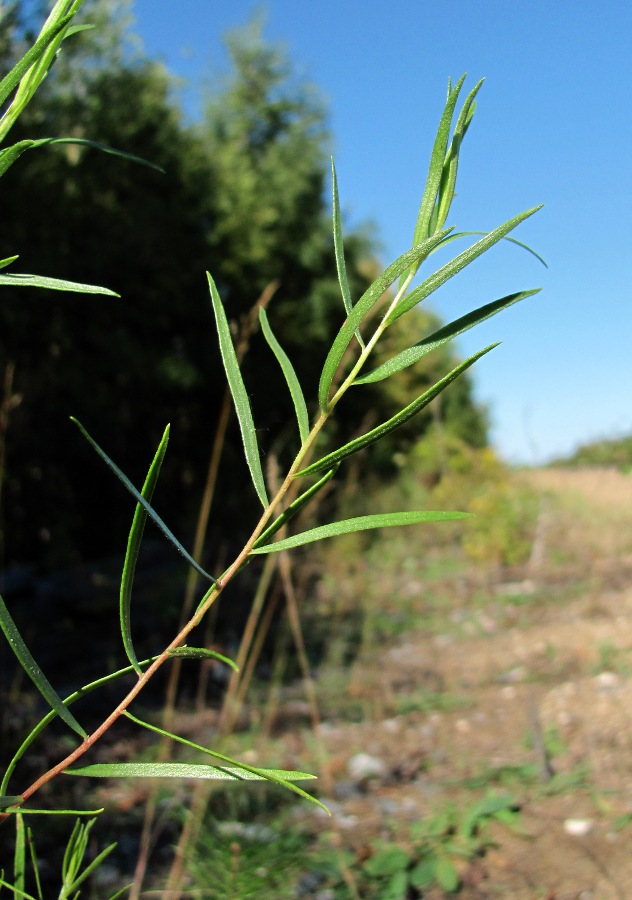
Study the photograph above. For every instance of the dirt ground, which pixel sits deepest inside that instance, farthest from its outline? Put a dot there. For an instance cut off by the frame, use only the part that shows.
(520, 684)
(540, 673)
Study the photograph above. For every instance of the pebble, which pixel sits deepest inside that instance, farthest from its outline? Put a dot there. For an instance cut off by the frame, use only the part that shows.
(363, 766)
(578, 827)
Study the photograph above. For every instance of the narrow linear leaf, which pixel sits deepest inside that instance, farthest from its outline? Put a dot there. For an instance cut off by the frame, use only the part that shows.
(19, 855)
(442, 336)
(103, 148)
(57, 812)
(34, 672)
(447, 186)
(365, 440)
(294, 508)
(339, 250)
(459, 262)
(529, 250)
(184, 770)
(435, 168)
(338, 243)
(284, 779)
(54, 284)
(461, 234)
(202, 653)
(34, 862)
(48, 718)
(72, 847)
(361, 523)
(364, 305)
(7, 262)
(140, 499)
(293, 383)
(13, 78)
(11, 154)
(133, 548)
(10, 800)
(77, 29)
(94, 864)
(16, 891)
(122, 892)
(239, 393)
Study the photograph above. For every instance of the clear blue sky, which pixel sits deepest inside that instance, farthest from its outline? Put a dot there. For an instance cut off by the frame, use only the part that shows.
(553, 125)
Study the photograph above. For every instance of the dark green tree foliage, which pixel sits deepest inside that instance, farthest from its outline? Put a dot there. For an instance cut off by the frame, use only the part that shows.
(243, 195)
(125, 366)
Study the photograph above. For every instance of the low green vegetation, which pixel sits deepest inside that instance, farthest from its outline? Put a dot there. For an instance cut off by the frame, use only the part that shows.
(611, 452)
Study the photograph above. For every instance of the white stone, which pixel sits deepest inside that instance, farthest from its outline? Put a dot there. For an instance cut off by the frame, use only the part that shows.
(578, 827)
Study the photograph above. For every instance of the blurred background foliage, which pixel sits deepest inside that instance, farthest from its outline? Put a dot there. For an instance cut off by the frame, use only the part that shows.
(245, 195)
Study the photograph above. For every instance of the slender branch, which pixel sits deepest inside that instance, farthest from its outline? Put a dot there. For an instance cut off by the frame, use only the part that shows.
(207, 601)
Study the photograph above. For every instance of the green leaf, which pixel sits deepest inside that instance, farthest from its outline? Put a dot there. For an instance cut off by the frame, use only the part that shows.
(34, 672)
(34, 863)
(339, 249)
(72, 875)
(293, 383)
(447, 874)
(387, 861)
(47, 46)
(493, 803)
(121, 892)
(201, 653)
(395, 888)
(140, 499)
(435, 169)
(185, 770)
(361, 523)
(75, 849)
(16, 891)
(338, 243)
(461, 234)
(365, 440)
(11, 154)
(54, 284)
(364, 305)
(19, 856)
(442, 336)
(423, 874)
(41, 725)
(10, 800)
(27, 810)
(77, 880)
(77, 29)
(282, 778)
(7, 262)
(294, 508)
(133, 548)
(240, 395)
(103, 148)
(447, 186)
(489, 806)
(459, 262)
(528, 249)
(11, 81)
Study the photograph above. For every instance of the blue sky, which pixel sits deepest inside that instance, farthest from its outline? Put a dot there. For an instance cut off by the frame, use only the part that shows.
(552, 126)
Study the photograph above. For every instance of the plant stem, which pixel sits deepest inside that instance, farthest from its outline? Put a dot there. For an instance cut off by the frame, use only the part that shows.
(216, 589)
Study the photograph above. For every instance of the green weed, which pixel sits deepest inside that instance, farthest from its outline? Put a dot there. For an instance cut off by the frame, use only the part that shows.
(438, 851)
